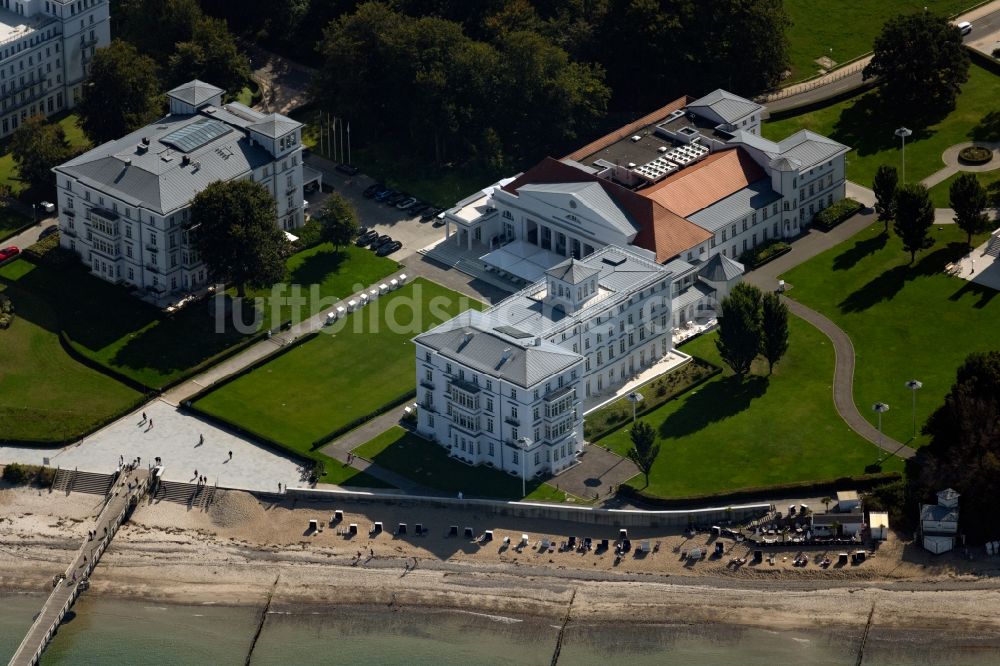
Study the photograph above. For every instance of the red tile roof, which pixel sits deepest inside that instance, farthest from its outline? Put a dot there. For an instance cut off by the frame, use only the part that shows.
(660, 231)
(703, 184)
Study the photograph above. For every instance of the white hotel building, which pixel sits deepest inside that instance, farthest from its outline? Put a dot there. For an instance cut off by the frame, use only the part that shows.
(45, 46)
(124, 206)
(506, 387)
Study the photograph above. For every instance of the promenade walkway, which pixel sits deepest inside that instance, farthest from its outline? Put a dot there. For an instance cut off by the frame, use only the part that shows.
(123, 496)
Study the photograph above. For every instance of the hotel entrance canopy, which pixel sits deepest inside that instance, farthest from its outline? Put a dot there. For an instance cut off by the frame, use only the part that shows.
(522, 259)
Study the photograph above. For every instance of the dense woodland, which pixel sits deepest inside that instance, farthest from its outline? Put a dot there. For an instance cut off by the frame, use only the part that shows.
(496, 79)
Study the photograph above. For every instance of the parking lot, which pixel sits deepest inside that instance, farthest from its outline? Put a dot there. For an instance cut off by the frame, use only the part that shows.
(385, 219)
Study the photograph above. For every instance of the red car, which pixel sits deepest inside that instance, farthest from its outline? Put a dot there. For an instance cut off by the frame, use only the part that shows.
(9, 253)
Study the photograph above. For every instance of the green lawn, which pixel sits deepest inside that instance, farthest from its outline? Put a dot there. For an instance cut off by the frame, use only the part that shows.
(906, 322)
(725, 435)
(848, 28)
(317, 278)
(940, 193)
(347, 372)
(44, 393)
(441, 186)
(429, 464)
(8, 169)
(116, 329)
(859, 122)
(342, 474)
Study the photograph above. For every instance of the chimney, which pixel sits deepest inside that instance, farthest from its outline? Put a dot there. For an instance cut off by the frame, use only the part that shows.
(185, 160)
(538, 342)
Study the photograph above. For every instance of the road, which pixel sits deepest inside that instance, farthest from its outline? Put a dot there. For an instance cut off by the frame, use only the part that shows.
(985, 34)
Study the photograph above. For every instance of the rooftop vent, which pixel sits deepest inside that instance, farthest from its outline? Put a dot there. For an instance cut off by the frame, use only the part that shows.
(185, 160)
(505, 357)
(141, 148)
(538, 342)
(661, 149)
(127, 161)
(636, 137)
(632, 165)
(145, 140)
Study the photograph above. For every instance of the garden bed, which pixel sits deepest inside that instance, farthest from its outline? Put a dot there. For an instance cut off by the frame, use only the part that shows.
(975, 155)
(831, 216)
(765, 253)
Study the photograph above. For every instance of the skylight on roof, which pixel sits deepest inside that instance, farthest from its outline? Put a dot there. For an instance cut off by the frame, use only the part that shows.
(512, 332)
(197, 134)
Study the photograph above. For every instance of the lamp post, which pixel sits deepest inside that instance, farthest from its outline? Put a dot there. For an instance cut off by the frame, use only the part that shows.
(902, 133)
(34, 215)
(525, 443)
(880, 408)
(914, 386)
(635, 398)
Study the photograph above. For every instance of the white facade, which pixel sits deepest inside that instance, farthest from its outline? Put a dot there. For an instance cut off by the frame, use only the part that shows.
(522, 368)
(124, 207)
(45, 46)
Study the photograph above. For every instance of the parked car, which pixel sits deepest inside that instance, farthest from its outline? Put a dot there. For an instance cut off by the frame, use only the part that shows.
(417, 208)
(439, 220)
(372, 190)
(430, 214)
(349, 169)
(48, 206)
(396, 198)
(9, 253)
(965, 27)
(366, 238)
(385, 194)
(406, 203)
(380, 241)
(48, 231)
(388, 248)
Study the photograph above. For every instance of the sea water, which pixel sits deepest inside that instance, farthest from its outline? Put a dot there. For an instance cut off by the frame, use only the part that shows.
(114, 632)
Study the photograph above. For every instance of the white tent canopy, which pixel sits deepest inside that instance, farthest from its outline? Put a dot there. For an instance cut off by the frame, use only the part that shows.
(526, 261)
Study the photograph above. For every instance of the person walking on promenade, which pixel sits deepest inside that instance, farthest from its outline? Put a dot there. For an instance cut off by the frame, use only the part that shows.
(230, 455)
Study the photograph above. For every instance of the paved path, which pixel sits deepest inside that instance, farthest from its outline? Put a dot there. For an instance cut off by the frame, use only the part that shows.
(176, 438)
(985, 31)
(953, 166)
(597, 471)
(766, 277)
(65, 592)
(29, 236)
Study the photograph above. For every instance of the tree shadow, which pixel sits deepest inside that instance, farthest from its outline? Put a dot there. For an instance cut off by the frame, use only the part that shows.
(315, 268)
(714, 402)
(868, 125)
(891, 282)
(861, 249)
(988, 128)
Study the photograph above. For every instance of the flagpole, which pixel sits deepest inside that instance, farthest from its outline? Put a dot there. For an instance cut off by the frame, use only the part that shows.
(348, 141)
(341, 140)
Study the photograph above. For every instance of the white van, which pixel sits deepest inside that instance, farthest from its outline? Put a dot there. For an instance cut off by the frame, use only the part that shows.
(964, 27)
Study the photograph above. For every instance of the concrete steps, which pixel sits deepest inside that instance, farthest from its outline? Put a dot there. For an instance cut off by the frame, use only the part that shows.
(993, 249)
(62, 480)
(91, 482)
(188, 494)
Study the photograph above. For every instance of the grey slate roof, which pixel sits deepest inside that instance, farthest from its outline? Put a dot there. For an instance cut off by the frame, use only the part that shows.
(736, 206)
(591, 195)
(720, 269)
(195, 92)
(691, 296)
(729, 106)
(274, 125)
(938, 513)
(472, 340)
(157, 178)
(810, 148)
(572, 271)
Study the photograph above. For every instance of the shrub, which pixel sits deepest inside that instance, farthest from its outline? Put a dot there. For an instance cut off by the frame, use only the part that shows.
(48, 251)
(833, 215)
(975, 155)
(18, 474)
(309, 235)
(764, 253)
(6, 311)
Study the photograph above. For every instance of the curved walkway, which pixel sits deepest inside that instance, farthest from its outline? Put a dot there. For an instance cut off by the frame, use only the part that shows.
(843, 381)
(953, 165)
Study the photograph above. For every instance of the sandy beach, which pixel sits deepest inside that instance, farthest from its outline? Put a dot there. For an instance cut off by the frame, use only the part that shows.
(242, 550)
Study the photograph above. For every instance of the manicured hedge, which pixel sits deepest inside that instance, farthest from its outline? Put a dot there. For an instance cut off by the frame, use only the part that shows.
(833, 215)
(764, 253)
(801, 488)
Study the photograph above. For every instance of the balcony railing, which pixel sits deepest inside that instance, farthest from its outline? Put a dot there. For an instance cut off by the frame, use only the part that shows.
(510, 420)
(426, 383)
(153, 268)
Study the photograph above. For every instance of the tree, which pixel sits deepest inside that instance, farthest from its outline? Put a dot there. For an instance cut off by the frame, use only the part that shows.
(210, 55)
(964, 452)
(885, 184)
(121, 93)
(154, 27)
(237, 235)
(740, 328)
(644, 447)
(36, 146)
(921, 61)
(914, 217)
(969, 201)
(338, 221)
(774, 329)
